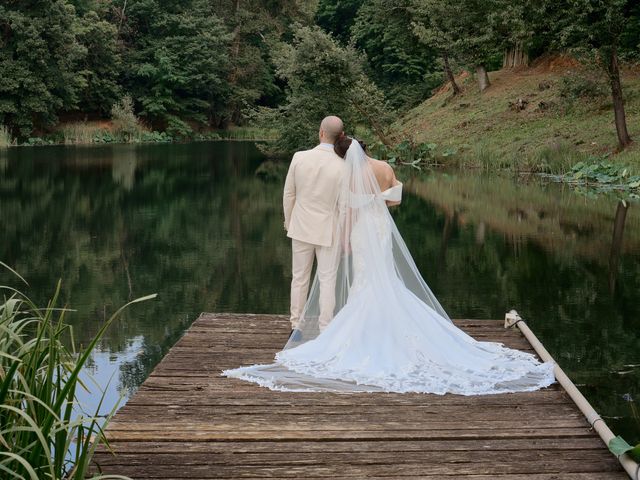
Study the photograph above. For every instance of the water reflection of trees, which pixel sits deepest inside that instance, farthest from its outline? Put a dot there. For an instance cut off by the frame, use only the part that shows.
(193, 223)
(549, 253)
(189, 222)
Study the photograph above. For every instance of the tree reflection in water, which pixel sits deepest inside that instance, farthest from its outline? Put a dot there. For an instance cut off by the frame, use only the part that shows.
(193, 223)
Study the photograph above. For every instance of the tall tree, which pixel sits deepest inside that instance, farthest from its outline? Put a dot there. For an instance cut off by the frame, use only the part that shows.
(40, 61)
(255, 26)
(176, 62)
(323, 78)
(460, 30)
(598, 29)
(102, 65)
(403, 68)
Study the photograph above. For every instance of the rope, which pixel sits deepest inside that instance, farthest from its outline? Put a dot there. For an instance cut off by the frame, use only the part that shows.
(516, 323)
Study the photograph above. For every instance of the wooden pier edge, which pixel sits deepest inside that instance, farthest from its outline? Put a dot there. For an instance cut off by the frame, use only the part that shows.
(511, 319)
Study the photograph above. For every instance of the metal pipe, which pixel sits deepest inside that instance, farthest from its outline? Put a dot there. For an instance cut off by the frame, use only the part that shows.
(597, 423)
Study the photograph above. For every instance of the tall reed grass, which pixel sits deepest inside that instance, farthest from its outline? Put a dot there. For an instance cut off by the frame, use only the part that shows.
(80, 133)
(44, 433)
(5, 137)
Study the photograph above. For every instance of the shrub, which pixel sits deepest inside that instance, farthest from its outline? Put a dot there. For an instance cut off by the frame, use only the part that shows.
(124, 119)
(577, 86)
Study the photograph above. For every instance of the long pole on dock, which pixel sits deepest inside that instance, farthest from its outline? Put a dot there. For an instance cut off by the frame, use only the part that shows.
(511, 319)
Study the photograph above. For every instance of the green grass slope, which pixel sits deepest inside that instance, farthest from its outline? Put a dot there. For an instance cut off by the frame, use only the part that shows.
(566, 117)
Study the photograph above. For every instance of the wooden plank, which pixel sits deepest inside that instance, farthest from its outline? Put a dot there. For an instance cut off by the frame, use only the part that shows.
(187, 421)
(493, 444)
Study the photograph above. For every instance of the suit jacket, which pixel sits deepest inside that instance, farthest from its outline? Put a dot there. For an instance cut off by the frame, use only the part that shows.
(310, 195)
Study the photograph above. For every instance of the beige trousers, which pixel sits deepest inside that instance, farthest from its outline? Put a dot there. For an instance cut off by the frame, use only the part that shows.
(302, 255)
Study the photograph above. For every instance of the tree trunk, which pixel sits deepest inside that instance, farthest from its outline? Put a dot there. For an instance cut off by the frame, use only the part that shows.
(613, 70)
(449, 74)
(483, 78)
(378, 129)
(515, 56)
(616, 243)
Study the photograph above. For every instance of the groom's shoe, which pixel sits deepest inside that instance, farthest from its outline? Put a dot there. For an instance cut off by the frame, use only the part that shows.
(295, 335)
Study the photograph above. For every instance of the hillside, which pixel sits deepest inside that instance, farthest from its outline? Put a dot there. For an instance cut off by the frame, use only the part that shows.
(565, 116)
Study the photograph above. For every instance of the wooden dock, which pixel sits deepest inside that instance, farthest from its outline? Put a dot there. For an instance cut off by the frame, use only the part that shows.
(188, 422)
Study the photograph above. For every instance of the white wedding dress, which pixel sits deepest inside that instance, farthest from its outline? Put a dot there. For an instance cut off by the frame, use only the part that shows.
(389, 332)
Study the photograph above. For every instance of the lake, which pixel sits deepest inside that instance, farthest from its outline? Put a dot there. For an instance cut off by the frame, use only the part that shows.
(194, 224)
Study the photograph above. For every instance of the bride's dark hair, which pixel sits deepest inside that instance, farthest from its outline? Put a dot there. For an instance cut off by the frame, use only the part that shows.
(342, 144)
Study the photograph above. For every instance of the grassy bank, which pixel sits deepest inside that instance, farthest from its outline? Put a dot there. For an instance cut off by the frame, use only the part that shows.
(545, 118)
(107, 132)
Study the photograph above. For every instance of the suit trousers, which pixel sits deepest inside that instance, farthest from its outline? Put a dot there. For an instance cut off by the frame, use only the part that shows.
(302, 255)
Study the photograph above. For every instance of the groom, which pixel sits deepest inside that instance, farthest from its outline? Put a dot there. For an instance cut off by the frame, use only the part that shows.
(310, 198)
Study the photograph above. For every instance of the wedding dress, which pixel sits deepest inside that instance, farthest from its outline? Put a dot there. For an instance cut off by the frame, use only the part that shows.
(389, 332)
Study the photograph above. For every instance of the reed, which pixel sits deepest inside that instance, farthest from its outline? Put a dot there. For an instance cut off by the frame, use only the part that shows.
(44, 432)
(80, 133)
(5, 137)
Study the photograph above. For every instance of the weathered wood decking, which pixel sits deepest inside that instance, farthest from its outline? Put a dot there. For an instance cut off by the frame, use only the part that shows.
(188, 422)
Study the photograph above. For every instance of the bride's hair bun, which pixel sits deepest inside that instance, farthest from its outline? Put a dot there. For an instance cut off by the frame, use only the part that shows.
(342, 144)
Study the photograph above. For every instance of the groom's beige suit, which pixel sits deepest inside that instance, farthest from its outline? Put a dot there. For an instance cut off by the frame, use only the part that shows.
(310, 216)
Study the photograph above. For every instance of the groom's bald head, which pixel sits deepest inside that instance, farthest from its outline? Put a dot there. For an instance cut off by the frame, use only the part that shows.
(331, 128)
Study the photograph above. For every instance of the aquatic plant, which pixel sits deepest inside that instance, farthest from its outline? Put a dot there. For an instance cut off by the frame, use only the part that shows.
(44, 432)
(602, 176)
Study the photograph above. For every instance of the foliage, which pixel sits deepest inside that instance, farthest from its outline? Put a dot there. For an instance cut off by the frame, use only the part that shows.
(338, 16)
(176, 62)
(462, 29)
(125, 121)
(323, 78)
(580, 85)
(599, 31)
(184, 63)
(406, 152)
(101, 65)
(407, 71)
(602, 176)
(41, 64)
(45, 434)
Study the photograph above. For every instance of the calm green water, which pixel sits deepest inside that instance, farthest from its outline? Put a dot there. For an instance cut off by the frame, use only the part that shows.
(194, 224)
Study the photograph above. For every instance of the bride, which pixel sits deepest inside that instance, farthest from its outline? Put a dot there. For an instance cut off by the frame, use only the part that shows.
(389, 332)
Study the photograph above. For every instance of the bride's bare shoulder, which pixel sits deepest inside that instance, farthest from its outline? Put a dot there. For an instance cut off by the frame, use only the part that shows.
(382, 170)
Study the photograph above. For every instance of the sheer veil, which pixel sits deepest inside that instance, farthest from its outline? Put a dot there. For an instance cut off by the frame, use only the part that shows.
(361, 206)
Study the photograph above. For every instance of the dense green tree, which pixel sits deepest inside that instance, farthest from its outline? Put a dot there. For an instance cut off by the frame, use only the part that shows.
(323, 78)
(338, 16)
(599, 29)
(101, 65)
(40, 61)
(403, 68)
(176, 61)
(460, 30)
(255, 26)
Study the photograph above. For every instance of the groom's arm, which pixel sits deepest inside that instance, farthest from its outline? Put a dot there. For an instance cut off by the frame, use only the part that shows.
(289, 196)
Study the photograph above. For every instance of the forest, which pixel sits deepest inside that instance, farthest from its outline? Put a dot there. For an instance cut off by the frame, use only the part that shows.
(181, 68)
